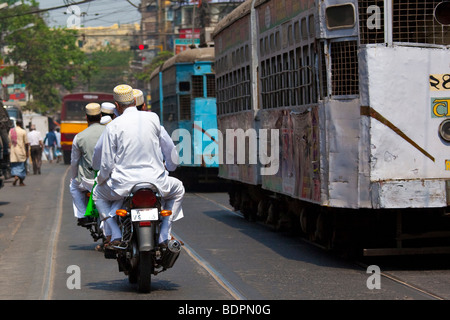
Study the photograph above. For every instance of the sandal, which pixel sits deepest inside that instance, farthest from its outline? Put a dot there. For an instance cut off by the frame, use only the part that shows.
(101, 247)
(113, 243)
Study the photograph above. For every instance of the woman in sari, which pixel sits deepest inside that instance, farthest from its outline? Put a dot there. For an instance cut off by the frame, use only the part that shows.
(19, 152)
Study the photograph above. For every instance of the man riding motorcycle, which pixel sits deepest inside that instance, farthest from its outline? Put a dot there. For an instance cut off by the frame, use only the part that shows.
(81, 161)
(131, 153)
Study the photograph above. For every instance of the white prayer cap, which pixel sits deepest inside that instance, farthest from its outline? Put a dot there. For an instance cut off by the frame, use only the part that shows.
(93, 109)
(139, 96)
(105, 120)
(123, 93)
(108, 107)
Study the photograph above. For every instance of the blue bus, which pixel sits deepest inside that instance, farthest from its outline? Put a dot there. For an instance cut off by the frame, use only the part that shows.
(183, 94)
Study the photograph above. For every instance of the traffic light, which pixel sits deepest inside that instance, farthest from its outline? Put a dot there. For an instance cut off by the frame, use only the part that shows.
(139, 47)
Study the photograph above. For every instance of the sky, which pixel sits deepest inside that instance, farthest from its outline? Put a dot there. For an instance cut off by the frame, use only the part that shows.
(93, 14)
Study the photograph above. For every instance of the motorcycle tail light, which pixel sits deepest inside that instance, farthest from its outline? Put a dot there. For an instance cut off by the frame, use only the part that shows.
(166, 213)
(145, 223)
(121, 212)
(144, 199)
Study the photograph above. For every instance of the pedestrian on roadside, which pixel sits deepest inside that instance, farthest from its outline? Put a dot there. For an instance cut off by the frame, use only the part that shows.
(19, 152)
(50, 143)
(58, 153)
(36, 147)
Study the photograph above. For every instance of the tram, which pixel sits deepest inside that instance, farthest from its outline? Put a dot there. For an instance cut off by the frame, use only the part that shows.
(183, 92)
(349, 102)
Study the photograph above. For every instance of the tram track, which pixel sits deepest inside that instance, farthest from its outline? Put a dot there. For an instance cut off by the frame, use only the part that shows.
(359, 264)
(402, 282)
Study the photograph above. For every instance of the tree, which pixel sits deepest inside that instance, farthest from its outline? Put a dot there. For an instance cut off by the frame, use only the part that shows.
(106, 68)
(44, 59)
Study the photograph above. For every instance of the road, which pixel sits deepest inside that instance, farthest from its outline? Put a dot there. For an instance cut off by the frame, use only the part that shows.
(225, 257)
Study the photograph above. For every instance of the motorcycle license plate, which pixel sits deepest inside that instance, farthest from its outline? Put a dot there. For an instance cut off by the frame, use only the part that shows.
(144, 214)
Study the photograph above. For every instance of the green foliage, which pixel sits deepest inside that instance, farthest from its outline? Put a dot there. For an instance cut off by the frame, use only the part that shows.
(45, 59)
(106, 68)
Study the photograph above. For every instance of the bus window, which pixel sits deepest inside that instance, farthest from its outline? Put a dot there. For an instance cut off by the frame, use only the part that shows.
(75, 110)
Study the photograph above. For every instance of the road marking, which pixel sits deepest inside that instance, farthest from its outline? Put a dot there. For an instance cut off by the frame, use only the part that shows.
(51, 256)
(213, 272)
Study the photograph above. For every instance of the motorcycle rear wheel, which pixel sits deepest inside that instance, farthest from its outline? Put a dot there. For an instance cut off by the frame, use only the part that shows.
(145, 272)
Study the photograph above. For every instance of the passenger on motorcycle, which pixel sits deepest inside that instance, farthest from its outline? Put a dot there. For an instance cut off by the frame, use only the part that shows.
(167, 146)
(108, 112)
(82, 177)
(131, 153)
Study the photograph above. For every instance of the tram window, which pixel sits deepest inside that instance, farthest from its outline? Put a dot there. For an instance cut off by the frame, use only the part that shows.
(291, 77)
(290, 38)
(184, 86)
(311, 26)
(285, 77)
(344, 68)
(185, 107)
(340, 16)
(210, 85)
(284, 36)
(277, 41)
(304, 30)
(197, 86)
(367, 9)
(272, 43)
(297, 31)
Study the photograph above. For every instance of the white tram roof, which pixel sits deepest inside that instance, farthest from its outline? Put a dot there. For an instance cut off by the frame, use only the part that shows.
(239, 12)
(190, 55)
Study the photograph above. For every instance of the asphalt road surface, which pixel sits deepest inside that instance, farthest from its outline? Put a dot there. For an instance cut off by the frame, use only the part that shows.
(43, 254)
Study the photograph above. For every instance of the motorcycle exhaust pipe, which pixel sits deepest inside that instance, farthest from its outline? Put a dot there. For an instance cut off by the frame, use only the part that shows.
(171, 254)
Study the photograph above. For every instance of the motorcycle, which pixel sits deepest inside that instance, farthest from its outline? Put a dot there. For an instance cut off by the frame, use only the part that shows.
(139, 255)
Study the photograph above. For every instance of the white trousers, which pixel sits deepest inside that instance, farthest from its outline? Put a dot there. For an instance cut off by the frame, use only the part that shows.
(79, 198)
(107, 202)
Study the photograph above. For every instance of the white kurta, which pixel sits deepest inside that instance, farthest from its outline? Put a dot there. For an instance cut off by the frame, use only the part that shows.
(131, 153)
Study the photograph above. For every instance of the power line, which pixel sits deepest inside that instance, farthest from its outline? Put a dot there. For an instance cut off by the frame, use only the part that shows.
(45, 10)
(132, 4)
